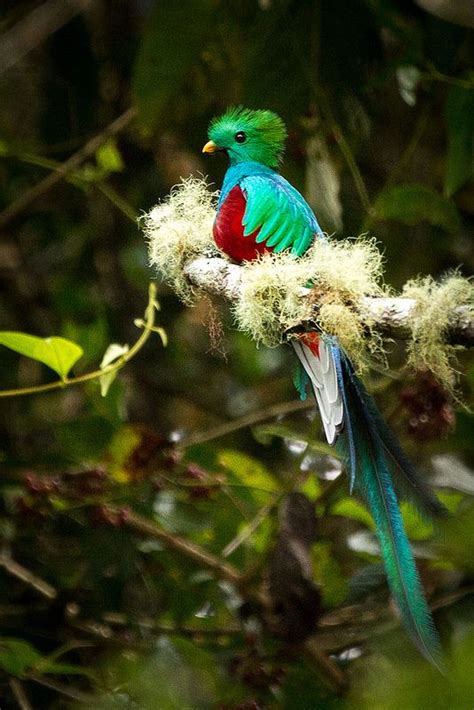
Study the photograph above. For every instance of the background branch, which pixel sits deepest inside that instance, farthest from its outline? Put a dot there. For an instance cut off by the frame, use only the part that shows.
(66, 168)
(35, 28)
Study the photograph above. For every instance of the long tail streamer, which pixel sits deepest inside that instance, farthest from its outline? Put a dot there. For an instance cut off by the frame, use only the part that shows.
(373, 455)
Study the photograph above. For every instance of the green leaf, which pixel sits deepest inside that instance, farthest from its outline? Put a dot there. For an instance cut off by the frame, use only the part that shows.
(86, 176)
(412, 204)
(178, 676)
(56, 668)
(455, 537)
(417, 528)
(247, 470)
(84, 440)
(108, 157)
(17, 657)
(57, 353)
(460, 155)
(172, 43)
(329, 575)
(124, 442)
(180, 517)
(450, 499)
(264, 433)
(351, 508)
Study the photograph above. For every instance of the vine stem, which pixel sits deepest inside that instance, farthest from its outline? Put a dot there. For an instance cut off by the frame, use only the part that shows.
(148, 326)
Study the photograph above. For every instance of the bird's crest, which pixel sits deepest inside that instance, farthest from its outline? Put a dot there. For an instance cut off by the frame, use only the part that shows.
(263, 135)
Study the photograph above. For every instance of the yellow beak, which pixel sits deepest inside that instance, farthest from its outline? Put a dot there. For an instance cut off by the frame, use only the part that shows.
(210, 147)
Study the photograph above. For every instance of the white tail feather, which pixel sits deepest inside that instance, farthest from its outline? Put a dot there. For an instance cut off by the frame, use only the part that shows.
(323, 376)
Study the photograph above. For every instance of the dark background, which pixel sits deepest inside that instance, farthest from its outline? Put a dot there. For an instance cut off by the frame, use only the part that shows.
(95, 608)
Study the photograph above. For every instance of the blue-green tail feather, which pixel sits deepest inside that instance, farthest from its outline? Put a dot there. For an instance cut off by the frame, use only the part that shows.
(410, 485)
(370, 457)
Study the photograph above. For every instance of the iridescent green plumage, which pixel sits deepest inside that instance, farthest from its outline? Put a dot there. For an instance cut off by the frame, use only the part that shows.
(265, 136)
(280, 212)
(274, 207)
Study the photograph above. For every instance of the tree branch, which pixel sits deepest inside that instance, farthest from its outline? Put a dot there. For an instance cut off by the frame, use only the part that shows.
(35, 28)
(189, 549)
(20, 695)
(27, 576)
(66, 168)
(392, 315)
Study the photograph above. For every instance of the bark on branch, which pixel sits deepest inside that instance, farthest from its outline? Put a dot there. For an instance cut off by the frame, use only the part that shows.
(220, 277)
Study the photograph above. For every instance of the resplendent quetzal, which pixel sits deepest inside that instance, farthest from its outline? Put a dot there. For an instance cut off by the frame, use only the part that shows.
(260, 211)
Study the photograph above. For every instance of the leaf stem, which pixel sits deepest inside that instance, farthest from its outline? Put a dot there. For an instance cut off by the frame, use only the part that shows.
(433, 74)
(118, 201)
(65, 169)
(148, 325)
(74, 179)
(328, 116)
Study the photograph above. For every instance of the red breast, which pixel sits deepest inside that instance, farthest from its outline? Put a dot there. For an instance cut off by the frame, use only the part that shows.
(228, 229)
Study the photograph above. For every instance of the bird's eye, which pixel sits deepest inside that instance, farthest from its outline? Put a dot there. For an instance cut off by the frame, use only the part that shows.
(240, 137)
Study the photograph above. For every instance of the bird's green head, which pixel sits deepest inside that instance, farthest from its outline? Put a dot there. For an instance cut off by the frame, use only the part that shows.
(248, 135)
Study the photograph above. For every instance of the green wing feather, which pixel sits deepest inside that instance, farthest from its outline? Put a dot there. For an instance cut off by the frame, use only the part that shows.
(285, 219)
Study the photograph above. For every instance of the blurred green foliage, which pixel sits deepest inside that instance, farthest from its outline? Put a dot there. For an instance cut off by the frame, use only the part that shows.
(148, 536)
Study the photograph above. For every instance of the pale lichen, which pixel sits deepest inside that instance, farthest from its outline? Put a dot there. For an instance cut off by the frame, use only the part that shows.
(322, 289)
(428, 347)
(178, 229)
(273, 298)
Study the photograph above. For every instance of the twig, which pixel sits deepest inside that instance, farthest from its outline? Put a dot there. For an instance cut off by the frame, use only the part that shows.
(26, 576)
(250, 528)
(148, 326)
(33, 29)
(354, 624)
(433, 74)
(185, 547)
(62, 689)
(323, 102)
(242, 422)
(102, 186)
(329, 671)
(121, 620)
(392, 315)
(118, 201)
(421, 125)
(27, 198)
(19, 694)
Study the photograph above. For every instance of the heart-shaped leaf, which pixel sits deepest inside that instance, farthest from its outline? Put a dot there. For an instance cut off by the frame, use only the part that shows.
(57, 353)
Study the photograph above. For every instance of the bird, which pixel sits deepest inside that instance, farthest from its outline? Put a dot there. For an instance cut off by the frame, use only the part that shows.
(259, 211)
